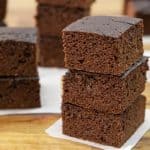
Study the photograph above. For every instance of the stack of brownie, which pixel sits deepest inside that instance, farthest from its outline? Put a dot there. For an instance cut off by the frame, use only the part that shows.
(101, 91)
(52, 17)
(3, 4)
(19, 82)
(140, 9)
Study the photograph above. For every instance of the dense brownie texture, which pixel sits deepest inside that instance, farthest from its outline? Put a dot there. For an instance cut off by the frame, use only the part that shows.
(3, 4)
(101, 127)
(103, 44)
(50, 52)
(16, 92)
(106, 93)
(140, 9)
(17, 52)
(51, 20)
(68, 3)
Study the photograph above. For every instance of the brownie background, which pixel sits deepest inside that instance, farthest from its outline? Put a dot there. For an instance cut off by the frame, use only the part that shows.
(18, 52)
(51, 20)
(51, 52)
(19, 92)
(3, 4)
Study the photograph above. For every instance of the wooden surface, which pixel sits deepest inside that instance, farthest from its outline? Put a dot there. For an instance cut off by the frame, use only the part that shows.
(27, 132)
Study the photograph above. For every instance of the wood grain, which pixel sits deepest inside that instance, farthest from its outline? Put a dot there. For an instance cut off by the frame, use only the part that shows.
(27, 132)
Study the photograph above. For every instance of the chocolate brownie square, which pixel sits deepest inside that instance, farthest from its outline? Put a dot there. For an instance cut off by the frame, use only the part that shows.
(103, 128)
(19, 92)
(68, 3)
(3, 4)
(50, 52)
(140, 9)
(51, 20)
(18, 52)
(103, 44)
(106, 93)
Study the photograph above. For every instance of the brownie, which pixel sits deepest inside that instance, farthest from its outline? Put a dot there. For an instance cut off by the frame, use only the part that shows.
(68, 3)
(19, 92)
(3, 4)
(50, 52)
(100, 127)
(17, 52)
(103, 44)
(140, 9)
(106, 93)
(51, 20)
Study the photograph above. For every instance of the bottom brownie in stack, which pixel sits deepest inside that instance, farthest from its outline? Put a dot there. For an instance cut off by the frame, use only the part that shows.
(105, 128)
(50, 51)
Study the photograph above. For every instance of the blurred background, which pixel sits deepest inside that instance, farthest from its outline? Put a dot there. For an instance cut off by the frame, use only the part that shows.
(22, 12)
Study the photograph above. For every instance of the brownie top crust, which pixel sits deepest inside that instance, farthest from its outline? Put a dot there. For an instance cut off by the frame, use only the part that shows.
(27, 35)
(143, 60)
(103, 25)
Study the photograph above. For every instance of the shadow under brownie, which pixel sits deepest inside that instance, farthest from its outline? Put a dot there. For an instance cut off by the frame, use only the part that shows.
(106, 93)
(103, 128)
(19, 92)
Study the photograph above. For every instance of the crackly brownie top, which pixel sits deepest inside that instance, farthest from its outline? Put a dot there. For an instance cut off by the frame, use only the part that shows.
(103, 25)
(27, 35)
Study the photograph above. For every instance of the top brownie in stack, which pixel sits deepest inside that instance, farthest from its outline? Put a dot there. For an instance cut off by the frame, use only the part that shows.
(68, 3)
(3, 4)
(18, 52)
(100, 44)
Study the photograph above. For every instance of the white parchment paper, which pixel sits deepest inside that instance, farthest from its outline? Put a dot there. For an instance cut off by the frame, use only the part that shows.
(56, 131)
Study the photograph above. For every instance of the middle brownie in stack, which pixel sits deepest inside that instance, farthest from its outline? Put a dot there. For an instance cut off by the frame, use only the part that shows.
(19, 82)
(52, 17)
(101, 91)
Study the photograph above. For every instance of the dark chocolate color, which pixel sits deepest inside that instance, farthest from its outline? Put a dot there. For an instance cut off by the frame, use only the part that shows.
(107, 45)
(50, 52)
(100, 127)
(17, 52)
(17, 92)
(106, 93)
(51, 20)
(3, 6)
